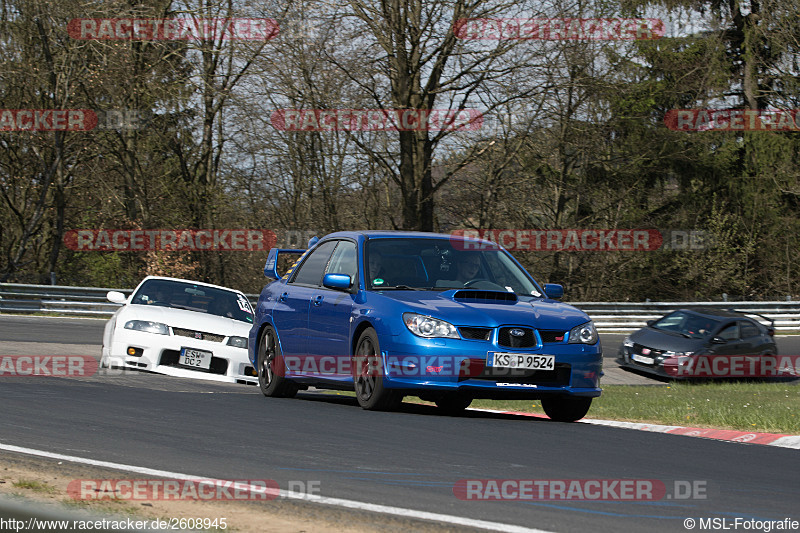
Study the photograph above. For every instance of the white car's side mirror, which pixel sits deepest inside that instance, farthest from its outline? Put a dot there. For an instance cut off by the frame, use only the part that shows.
(116, 297)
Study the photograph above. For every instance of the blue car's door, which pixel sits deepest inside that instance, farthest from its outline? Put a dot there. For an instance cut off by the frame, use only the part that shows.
(329, 317)
(290, 313)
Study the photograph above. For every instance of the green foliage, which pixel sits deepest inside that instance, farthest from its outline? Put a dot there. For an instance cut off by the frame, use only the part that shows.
(588, 148)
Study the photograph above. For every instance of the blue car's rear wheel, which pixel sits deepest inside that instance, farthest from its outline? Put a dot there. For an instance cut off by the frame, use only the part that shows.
(566, 409)
(368, 379)
(272, 369)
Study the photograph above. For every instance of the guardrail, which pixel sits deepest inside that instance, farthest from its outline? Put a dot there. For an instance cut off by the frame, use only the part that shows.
(608, 316)
(627, 316)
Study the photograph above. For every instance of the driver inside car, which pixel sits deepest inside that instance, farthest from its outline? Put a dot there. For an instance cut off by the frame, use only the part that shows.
(160, 296)
(468, 268)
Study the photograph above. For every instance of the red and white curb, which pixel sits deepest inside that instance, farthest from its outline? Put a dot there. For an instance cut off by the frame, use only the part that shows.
(730, 435)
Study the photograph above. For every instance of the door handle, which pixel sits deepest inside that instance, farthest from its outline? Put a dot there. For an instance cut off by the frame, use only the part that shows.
(318, 300)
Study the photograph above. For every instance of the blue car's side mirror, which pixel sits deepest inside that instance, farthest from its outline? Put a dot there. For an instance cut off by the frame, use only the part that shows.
(337, 281)
(553, 290)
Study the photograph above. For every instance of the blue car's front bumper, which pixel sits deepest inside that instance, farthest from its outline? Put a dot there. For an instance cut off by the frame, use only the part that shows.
(457, 365)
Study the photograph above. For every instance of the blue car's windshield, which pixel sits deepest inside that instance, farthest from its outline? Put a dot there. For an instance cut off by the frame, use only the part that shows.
(441, 264)
(199, 298)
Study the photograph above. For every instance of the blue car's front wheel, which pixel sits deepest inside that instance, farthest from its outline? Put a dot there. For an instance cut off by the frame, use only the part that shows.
(369, 372)
(566, 409)
(272, 369)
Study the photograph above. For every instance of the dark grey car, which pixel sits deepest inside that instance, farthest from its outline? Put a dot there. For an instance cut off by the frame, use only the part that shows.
(683, 335)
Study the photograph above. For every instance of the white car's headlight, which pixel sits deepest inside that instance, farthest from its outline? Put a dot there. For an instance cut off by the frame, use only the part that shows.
(147, 326)
(583, 334)
(425, 326)
(237, 342)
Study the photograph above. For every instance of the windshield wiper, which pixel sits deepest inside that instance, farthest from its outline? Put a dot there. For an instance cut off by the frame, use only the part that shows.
(402, 288)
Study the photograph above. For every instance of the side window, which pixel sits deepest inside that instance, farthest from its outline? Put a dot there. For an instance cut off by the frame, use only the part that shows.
(730, 333)
(343, 260)
(310, 272)
(749, 330)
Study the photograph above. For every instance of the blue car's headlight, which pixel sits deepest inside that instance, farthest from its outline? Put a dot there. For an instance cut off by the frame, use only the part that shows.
(425, 326)
(237, 342)
(583, 334)
(147, 326)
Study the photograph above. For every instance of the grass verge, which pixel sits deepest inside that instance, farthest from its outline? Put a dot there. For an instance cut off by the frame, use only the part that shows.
(35, 486)
(748, 406)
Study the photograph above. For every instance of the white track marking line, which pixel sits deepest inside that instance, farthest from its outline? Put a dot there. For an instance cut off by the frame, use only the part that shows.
(337, 502)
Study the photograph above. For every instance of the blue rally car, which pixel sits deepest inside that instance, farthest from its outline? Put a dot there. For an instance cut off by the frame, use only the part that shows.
(392, 314)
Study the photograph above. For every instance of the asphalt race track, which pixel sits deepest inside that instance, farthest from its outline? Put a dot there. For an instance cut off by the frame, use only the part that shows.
(409, 459)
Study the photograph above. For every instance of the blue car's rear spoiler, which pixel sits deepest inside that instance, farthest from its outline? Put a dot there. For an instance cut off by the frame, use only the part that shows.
(271, 266)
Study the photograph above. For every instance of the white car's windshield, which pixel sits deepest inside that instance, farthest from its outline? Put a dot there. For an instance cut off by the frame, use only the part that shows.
(441, 264)
(193, 297)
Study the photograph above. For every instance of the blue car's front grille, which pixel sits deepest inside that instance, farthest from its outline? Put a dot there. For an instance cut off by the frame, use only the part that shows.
(510, 338)
(528, 340)
(475, 334)
(549, 337)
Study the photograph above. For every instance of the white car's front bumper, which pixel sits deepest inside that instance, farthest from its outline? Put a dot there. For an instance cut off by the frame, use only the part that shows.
(160, 353)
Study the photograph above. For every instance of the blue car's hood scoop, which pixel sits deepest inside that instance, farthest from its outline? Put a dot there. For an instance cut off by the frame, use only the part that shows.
(488, 308)
(496, 297)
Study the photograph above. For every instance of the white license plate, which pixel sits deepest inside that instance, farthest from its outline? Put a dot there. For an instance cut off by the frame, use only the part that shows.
(642, 359)
(195, 358)
(522, 360)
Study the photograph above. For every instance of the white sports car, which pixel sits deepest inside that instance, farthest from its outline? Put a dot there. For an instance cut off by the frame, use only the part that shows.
(181, 328)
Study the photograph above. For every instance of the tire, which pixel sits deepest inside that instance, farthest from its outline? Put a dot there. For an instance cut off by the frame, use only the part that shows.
(566, 409)
(453, 404)
(368, 378)
(272, 369)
